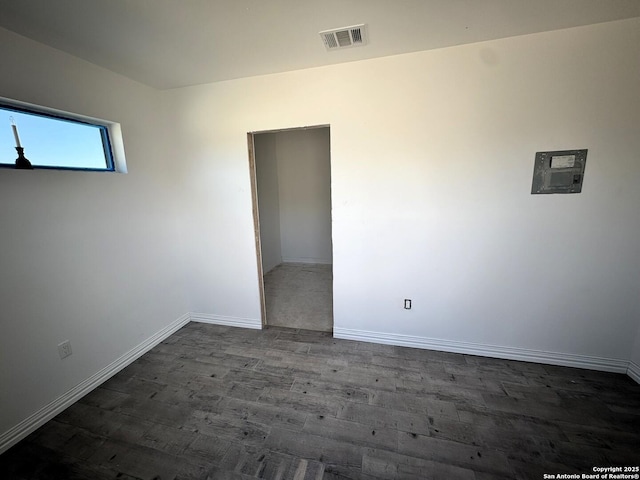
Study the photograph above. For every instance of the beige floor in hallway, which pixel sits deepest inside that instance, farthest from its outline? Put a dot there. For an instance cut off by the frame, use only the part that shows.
(299, 295)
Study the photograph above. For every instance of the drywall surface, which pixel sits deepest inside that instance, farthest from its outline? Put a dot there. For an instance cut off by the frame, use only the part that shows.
(89, 257)
(432, 158)
(304, 172)
(268, 199)
(293, 170)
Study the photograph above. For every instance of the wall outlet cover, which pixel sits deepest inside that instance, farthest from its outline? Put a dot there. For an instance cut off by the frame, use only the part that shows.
(64, 349)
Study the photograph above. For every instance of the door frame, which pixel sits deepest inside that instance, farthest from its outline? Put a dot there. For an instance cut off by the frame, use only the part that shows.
(256, 213)
(256, 224)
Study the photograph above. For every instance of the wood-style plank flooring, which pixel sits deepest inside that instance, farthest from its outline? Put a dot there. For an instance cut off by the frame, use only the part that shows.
(215, 402)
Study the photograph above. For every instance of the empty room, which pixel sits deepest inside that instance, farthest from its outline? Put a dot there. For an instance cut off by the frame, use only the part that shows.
(452, 186)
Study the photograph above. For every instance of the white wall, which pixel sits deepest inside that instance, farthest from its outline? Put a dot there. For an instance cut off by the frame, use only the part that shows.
(268, 200)
(304, 172)
(293, 170)
(89, 257)
(432, 158)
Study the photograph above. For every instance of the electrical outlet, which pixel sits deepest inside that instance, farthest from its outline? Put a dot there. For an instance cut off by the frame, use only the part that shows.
(64, 349)
(407, 304)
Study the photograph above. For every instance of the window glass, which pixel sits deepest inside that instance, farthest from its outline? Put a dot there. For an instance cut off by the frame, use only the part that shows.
(51, 141)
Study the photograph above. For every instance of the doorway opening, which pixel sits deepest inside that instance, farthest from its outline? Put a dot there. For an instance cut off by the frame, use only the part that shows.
(291, 193)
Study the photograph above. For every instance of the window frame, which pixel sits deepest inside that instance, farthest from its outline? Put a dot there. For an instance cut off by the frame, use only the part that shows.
(110, 133)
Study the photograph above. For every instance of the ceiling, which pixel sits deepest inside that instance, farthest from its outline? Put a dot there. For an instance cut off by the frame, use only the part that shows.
(175, 43)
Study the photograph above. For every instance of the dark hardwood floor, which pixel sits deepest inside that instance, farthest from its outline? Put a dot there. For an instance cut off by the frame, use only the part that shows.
(216, 402)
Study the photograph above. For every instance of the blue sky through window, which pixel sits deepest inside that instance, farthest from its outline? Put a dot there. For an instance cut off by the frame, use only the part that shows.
(51, 142)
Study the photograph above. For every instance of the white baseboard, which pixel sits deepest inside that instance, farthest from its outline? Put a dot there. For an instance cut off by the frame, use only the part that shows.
(634, 371)
(322, 261)
(510, 353)
(46, 413)
(254, 323)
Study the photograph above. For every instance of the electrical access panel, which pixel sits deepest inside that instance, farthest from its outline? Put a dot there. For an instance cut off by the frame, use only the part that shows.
(559, 172)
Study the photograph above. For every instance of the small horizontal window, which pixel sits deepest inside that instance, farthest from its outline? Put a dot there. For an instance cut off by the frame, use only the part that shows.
(46, 138)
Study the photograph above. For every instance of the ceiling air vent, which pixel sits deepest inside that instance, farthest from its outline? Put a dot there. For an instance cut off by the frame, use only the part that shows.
(345, 37)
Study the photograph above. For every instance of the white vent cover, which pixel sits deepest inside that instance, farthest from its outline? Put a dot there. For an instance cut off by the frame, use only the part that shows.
(345, 37)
